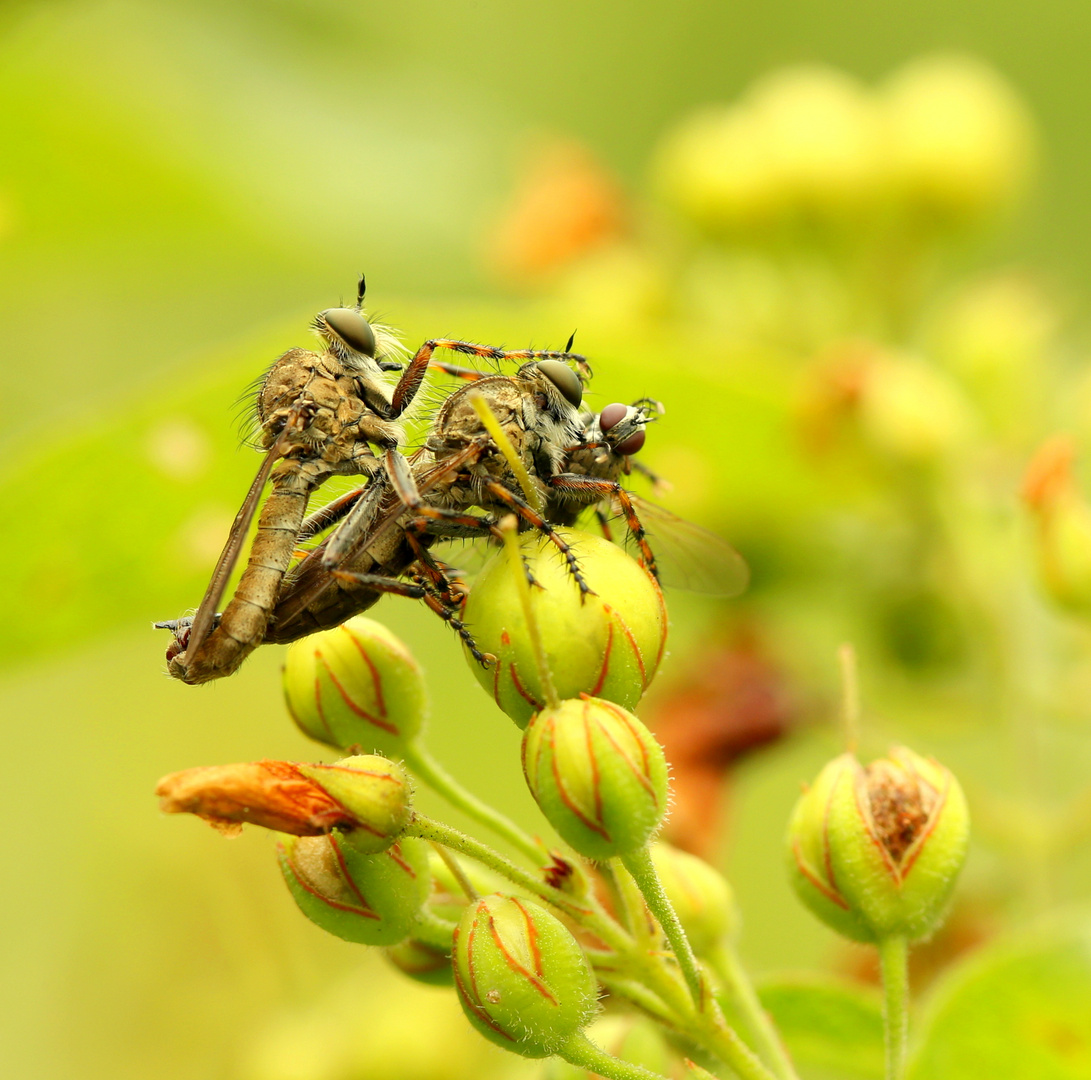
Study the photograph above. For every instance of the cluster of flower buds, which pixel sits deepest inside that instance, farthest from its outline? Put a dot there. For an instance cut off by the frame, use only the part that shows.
(608, 643)
(944, 143)
(874, 851)
(343, 854)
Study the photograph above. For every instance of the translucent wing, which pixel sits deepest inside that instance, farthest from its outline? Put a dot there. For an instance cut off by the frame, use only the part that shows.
(687, 555)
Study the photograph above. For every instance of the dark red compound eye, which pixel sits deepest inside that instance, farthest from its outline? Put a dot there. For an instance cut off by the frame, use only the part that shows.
(611, 415)
(631, 445)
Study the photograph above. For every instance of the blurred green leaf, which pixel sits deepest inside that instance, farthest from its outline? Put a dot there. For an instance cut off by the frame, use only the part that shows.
(833, 1029)
(1019, 1009)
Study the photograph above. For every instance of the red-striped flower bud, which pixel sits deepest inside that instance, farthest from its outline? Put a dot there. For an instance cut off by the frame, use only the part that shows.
(356, 685)
(598, 775)
(875, 851)
(366, 794)
(522, 978)
(608, 644)
(372, 898)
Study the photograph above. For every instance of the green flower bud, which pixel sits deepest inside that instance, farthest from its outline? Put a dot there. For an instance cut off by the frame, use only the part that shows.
(874, 852)
(356, 685)
(701, 896)
(598, 775)
(422, 962)
(352, 892)
(522, 978)
(375, 792)
(608, 644)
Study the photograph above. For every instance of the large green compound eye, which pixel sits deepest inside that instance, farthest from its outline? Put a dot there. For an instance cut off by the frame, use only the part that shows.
(352, 328)
(564, 379)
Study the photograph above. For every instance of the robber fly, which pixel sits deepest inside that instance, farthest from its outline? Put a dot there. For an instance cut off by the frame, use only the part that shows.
(320, 414)
(387, 527)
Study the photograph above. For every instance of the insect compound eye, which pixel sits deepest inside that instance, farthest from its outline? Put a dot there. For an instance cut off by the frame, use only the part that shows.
(564, 379)
(352, 328)
(612, 415)
(632, 444)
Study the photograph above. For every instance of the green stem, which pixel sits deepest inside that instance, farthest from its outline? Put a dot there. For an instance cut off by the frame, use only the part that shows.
(605, 929)
(421, 762)
(894, 964)
(634, 909)
(740, 990)
(433, 930)
(639, 864)
(584, 1054)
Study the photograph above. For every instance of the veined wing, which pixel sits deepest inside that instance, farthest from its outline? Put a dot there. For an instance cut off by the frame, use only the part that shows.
(688, 556)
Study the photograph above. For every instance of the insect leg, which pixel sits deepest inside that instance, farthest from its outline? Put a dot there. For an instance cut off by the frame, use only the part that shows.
(528, 514)
(611, 489)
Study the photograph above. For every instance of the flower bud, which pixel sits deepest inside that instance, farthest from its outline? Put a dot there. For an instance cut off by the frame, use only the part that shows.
(372, 898)
(961, 143)
(912, 410)
(422, 962)
(701, 896)
(874, 852)
(356, 685)
(1063, 519)
(598, 775)
(522, 978)
(374, 791)
(608, 644)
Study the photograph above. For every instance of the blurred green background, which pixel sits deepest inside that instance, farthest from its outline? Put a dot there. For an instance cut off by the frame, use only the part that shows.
(856, 374)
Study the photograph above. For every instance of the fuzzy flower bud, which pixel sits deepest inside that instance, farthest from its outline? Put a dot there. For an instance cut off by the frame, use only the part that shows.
(368, 794)
(372, 898)
(874, 851)
(608, 644)
(521, 976)
(356, 685)
(701, 896)
(598, 775)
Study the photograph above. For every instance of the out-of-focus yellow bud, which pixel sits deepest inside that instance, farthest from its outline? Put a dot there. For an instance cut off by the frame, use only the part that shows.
(608, 644)
(802, 149)
(701, 896)
(911, 410)
(371, 898)
(522, 978)
(598, 775)
(1063, 519)
(820, 128)
(356, 685)
(875, 852)
(961, 142)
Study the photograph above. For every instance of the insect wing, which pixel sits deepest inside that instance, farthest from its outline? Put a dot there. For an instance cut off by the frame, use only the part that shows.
(687, 555)
(206, 613)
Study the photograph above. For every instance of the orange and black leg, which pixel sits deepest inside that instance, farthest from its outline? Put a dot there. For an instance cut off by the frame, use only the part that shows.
(611, 489)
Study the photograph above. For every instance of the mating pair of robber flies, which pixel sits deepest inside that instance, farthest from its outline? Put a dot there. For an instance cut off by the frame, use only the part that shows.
(330, 413)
